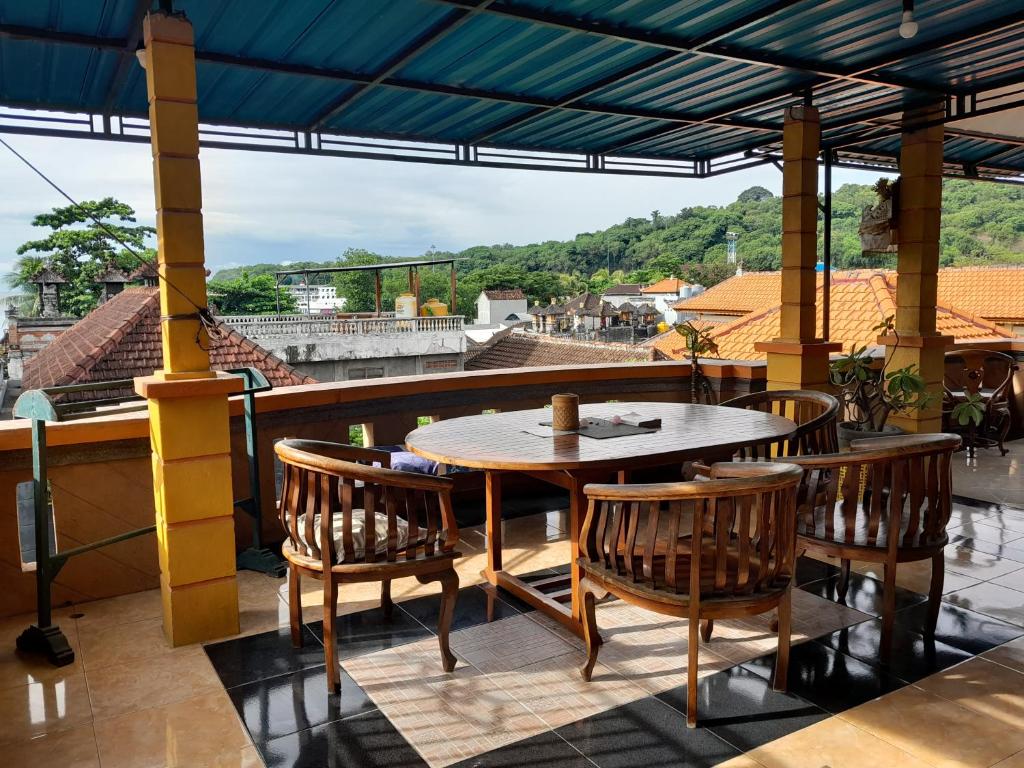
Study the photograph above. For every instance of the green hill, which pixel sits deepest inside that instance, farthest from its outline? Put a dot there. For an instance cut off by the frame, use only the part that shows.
(982, 223)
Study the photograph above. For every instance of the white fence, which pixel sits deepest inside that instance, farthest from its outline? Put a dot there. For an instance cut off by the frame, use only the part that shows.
(267, 326)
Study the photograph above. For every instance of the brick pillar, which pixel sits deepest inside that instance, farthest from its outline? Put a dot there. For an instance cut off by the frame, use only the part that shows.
(920, 211)
(798, 359)
(188, 406)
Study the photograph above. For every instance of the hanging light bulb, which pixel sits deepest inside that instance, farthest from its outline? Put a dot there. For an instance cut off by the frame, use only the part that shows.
(908, 27)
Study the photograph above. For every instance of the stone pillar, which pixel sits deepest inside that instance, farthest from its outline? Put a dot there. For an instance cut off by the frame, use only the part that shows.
(920, 211)
(798, 359)
(188, 406)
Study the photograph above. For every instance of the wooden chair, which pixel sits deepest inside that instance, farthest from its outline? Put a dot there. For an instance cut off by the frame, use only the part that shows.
(815, 415)
(705, 549)
(405, 527)
(989, 375)
(848, 503)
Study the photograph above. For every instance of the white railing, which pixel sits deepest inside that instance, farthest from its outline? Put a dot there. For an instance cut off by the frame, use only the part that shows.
(264, 326)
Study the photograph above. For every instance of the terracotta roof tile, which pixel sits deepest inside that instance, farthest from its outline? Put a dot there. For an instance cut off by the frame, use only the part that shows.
(513, 295)
(121, 339)
(522, 350)
(668, 285)
(995, 293)
(737, 295)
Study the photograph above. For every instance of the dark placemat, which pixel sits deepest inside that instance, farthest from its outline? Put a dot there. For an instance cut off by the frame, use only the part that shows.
(601, 429)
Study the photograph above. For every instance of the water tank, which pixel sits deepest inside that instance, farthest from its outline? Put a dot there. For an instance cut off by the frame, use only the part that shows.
(434, 308)
(405, 305)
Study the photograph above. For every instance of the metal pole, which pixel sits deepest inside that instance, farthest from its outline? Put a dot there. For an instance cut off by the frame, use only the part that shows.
(277, 292)
(826, 286)
(41, 508)
(455, 298)
(377, 291)
(305, 277)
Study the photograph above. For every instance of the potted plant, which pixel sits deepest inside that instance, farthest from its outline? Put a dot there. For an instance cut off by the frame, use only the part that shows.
(871, 394)
(698, 344)
(878, 223)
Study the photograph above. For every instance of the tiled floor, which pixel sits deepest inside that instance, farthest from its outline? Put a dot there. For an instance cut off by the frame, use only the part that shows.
(516, 699)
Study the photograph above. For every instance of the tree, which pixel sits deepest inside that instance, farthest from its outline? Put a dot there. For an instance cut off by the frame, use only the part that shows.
(249, 295)
(80, 250)
(754, 195)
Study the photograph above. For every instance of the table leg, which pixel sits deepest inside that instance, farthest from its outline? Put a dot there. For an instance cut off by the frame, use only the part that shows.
(493, 525)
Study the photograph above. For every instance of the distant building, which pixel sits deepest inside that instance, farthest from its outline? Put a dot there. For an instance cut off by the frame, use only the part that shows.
(732, 298)
(501, 307)
(665, 294)
(518, 349)
(315, 299)
(622, 293)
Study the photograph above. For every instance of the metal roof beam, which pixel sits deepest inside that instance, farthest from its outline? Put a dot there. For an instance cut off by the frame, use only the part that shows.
(127, 57)
(683, 45)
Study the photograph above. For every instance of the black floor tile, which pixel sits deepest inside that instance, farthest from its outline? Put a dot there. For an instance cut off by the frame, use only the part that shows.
(740, 706)
(808, 569)
(545, 750)
(864, 593)
(1009, 551)
(368, 631)
(645, 733)
(960, 628)
(827, 678)
(911, 656)
(269, 654)
(296, 702)
(366, 741)
(474, 606)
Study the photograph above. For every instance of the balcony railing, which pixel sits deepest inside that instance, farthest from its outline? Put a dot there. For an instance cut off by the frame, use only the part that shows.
(267, 326)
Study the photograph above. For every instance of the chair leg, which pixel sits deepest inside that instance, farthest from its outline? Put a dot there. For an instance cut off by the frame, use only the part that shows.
(330, 621)
(782, 654)
(385, 598)
(706, 628)
(295, 605)
(590, 634)
(844, 580)
(693, 654)
(449, 594)
(888, 607)
(935, 592)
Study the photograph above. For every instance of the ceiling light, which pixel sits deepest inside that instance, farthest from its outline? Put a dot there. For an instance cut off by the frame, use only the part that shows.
(908, 27)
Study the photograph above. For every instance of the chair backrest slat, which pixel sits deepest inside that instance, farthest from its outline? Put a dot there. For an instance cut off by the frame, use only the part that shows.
(815, 414)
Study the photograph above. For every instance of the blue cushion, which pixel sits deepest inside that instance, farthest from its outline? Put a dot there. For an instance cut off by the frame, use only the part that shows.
(406, 461)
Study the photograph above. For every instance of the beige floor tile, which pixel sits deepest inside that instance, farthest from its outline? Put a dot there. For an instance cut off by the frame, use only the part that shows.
(447, 717)
(73, 748)
(983, 531)
(192, 732)
(815, 616)
(741, 761)
(977, 565)
(123, 609)
(1014, 761)
(110, 644)
(1013, 580)
(1008, 521)
(136, 685)
(984, 686)
(833, 743)
(992, 600)
(17, 668)
(45, 707)
(507, 644)
(1009, 655)
(936, 730)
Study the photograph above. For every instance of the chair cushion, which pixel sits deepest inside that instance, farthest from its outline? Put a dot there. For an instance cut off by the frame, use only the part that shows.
(406, 461)
(358, 533)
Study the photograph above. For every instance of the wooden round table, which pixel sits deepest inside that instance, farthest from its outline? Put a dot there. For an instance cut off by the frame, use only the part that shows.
(497, 443)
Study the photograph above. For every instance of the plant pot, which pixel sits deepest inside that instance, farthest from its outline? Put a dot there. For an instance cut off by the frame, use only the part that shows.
(850, 431)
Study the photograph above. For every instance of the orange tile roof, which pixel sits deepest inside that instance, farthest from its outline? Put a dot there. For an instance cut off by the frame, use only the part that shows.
(995, 293)
(522, 350)
(668, 285)
(738, 295)
(860, 301)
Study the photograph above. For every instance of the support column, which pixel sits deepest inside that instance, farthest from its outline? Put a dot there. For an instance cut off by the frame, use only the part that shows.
(920, 211)
(798, 358)
(188, 406)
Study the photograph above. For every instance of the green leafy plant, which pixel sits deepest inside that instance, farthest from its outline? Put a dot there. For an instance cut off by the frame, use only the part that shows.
(970, 411)
(699, 343)
(870, 393)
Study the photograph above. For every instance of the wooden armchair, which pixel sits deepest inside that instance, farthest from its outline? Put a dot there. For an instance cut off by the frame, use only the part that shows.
(708, 549)
(405, 527)
(815, 415)
(887, 501)
(989, 375)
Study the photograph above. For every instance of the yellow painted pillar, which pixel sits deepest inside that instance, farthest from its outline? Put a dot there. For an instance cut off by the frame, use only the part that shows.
(798, 359)
(920, 212)
(188, 406)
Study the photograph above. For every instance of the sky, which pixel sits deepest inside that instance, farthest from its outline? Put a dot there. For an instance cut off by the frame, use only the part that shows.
(265, 207)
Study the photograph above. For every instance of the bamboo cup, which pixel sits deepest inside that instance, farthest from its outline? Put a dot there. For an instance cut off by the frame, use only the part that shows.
(565, 412)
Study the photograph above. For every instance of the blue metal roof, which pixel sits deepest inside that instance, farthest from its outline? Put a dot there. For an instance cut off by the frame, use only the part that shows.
(690, 81)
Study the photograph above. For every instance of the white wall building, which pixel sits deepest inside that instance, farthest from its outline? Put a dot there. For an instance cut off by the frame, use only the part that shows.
(665, 294)
(501, 307)
(619, 294)
(315, 299)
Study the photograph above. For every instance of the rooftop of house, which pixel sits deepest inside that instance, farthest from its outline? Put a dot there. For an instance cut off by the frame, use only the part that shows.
(517, 349)
(121, 339)
(624, 289)
(861, 300)
(516, 294)
(737, 295)
(668, 285)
